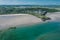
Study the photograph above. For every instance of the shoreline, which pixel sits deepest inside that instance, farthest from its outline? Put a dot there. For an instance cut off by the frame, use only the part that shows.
(54, 16)
(13, 20)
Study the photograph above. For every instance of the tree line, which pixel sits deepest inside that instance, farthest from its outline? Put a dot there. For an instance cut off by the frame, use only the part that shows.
(13, 10)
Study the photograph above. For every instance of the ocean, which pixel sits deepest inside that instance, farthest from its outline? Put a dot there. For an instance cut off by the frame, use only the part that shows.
(39, 31)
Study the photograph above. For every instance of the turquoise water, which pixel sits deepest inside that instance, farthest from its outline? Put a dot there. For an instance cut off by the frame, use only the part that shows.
(44, 31)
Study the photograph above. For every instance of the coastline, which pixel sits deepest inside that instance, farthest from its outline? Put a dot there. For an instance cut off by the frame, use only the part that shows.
(13, 20)
(54, 16)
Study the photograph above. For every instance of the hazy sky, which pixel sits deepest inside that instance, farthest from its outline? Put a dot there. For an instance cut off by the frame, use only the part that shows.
(29, 2)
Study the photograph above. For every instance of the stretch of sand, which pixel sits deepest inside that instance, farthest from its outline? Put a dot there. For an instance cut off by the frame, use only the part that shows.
(12, 20)
(54, 16)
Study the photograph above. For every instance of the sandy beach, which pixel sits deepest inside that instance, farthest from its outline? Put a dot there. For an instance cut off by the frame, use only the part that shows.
(12, 20)
(54, 16)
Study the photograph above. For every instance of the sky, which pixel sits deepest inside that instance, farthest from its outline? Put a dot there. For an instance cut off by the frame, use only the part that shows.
(29, 2)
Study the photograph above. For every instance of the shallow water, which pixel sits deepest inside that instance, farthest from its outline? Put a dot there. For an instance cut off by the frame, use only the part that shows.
(33, 32)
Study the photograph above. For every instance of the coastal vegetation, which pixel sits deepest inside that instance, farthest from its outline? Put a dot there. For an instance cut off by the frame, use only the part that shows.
(33, 10)
(24, 9)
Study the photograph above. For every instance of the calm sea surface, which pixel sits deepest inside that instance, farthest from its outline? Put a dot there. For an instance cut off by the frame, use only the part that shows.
(44, 31)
